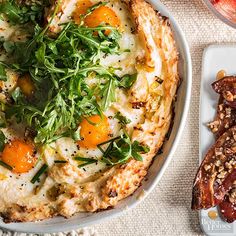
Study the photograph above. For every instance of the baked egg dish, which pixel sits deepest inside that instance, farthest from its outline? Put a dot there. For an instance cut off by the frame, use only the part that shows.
(87, 90)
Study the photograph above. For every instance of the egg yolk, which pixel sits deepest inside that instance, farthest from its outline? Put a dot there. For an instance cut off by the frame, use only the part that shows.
(81, 9)
(94, 131)
(19, 155)
(102, 14)
(26, 85)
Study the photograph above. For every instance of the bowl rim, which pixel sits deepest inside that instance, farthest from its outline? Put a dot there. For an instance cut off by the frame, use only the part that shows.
(218, 14)
(186, 103)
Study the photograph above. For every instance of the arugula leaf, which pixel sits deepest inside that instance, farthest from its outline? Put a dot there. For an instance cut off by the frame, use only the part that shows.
(76, 134)
(11, 10)
(121, 149)
(127, 81)
(2, 141)
(59, 66)
(2, 121)
(108, 93)
(122, 119)
(3, 75)
(22, 14)
(9, 46)
(137, 148)
(40, 53)
(16, 94)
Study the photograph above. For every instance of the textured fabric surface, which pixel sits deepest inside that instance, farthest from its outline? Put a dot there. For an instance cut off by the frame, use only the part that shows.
(79, 232)
(166, 211)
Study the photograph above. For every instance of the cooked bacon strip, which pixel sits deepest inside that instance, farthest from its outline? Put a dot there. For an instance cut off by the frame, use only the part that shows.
(228, 210)
(226, 110)
(225, 187)
(216, 177)
(226, 86)
(216, 173)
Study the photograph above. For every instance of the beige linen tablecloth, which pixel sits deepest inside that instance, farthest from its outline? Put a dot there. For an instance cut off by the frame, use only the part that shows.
(166, 211)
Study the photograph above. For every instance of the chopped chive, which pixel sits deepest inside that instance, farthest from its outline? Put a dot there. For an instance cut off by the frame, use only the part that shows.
(39, 173)
(87, 163)
(60, 161)
(84, 159)
(6, 165)
(109, 148)
(100, 149)
(109, 141)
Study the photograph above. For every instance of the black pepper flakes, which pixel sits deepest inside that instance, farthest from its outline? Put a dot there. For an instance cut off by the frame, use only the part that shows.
(113, 193)
(138, 105)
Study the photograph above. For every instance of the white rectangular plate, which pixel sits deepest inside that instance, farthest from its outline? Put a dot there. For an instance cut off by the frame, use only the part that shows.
(215, 58)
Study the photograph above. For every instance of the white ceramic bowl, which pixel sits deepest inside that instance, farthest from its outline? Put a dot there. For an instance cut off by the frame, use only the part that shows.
(159, 165)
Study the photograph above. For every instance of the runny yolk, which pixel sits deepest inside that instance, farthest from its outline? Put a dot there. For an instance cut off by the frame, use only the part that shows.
(19, 155)
(102, 14)
(26, 85)
(81, 9)
(95, 132)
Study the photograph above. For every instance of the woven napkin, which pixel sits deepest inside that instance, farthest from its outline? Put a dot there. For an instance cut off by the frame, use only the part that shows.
(166, 211)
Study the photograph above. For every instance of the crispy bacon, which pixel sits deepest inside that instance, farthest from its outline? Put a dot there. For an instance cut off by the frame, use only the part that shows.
(225, 187)
(209, 190)
(225, 85)
(228, 119)
(228, 210)
(215, 181)
(226, 110)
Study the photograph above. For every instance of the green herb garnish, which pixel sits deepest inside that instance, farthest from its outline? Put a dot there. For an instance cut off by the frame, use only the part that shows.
(6, 165)
(127, 81)
(2, 141)
(3, 75)
(60, 161)
(87, 161)
(121, 149)
(2, 121)
(59, 67)
(22, 13)
(39, 173)
(122, 119)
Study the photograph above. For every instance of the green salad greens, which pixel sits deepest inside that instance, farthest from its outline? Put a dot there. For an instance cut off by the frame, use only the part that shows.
(59, 66)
